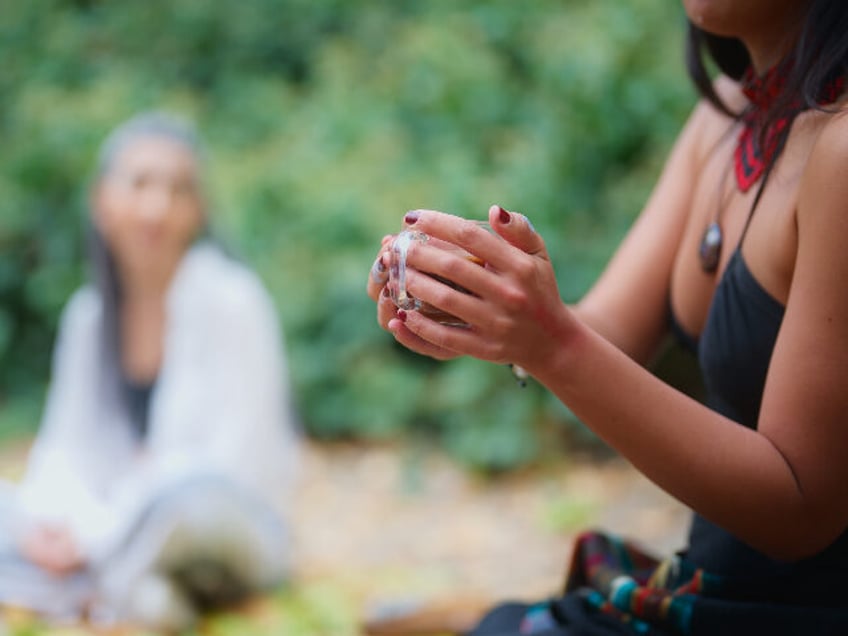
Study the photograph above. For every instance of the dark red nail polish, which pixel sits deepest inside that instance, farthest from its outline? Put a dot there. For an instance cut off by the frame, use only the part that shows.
(411, 217)
(503, 215)
(401, 314)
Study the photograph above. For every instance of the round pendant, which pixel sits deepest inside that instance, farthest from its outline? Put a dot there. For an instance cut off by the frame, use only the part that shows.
(710, 249)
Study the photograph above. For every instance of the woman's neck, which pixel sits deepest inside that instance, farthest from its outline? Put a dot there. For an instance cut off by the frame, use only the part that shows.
(142, 317)
(773, 40)
(765, 57)
(146, 282)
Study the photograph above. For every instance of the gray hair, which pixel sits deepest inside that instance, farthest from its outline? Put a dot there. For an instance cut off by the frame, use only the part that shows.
(104, 273)
(144, 125)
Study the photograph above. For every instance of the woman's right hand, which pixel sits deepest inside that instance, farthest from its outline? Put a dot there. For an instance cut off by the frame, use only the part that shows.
(52, 547)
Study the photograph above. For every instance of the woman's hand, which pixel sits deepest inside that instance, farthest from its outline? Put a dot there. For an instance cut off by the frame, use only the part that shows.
(386, 309)
(514, 309)
(53, 548)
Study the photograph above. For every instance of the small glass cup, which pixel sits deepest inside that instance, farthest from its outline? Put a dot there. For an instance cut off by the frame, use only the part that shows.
(397, 274)
(404, 300)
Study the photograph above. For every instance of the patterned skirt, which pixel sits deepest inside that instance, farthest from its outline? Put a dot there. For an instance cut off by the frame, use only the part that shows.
(614, 588)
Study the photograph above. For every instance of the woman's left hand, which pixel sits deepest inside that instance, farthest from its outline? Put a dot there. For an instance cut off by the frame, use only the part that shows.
(514, 311)
(53, 548)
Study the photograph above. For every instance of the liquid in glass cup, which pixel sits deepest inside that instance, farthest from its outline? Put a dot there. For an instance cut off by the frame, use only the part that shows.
(397, 274)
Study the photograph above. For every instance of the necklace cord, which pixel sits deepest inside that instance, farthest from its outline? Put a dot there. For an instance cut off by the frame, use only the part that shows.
(779, 146)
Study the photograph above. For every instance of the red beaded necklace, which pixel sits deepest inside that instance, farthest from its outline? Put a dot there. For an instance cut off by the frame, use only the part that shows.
(751, 158)
(762, 92)
(756, 147)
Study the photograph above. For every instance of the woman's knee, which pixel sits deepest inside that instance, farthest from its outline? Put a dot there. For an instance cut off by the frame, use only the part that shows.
(209, 519)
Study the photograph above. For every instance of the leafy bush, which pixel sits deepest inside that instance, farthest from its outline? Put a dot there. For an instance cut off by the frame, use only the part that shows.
(325, 122)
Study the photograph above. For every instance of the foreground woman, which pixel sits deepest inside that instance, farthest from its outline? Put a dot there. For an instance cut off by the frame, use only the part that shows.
(740, 252)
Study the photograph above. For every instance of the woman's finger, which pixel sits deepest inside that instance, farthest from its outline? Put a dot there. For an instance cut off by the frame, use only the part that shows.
(488, 247)
(386, 309)
(465, 304)
(443, 260)
(379, 273)
(430, 336)
(413, 342)
(517, 230)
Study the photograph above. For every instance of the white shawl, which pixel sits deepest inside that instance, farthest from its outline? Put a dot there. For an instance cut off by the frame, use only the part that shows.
(221, 405)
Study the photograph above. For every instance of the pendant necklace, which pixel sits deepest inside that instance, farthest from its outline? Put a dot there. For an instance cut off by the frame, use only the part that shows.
(757, 147)
(750, 159)
(709, 250)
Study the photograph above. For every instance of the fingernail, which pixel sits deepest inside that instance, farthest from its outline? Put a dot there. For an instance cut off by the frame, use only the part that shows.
(385, 293)
(378, 271)
(411, 217)
(401, 315)
(529, 223)
(503, 215)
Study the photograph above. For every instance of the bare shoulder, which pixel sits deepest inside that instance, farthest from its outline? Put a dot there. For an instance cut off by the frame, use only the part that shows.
(824, 185)
(832, 141)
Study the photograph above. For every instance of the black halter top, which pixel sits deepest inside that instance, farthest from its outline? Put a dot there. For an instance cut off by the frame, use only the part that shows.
(734, 351)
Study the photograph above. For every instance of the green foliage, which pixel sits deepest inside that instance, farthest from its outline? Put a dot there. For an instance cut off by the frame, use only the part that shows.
(325, 122)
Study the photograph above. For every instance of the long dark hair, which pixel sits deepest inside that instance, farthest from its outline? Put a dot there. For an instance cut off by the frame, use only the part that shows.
(819, 56)
(103, 270)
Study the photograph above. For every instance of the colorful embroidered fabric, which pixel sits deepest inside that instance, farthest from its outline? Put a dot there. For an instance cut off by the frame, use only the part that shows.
(617, 578)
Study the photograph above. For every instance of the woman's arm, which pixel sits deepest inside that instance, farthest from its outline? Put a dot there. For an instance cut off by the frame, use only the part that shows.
(805, 406)
(628, 305)
(780, 488)
(63, 518)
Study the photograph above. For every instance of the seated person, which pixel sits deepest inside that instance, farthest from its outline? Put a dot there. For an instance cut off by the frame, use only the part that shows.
(739, 252)
(159, 473)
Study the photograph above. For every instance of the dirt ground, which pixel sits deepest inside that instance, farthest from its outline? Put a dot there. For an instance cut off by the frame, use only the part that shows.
(384, 527)
(399, 526)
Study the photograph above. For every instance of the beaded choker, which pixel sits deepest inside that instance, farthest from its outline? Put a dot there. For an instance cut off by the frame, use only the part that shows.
(751, 158)
(756, 148)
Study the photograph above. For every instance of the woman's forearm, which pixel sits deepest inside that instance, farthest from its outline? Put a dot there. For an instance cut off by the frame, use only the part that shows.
(730, 474)
(640, 344)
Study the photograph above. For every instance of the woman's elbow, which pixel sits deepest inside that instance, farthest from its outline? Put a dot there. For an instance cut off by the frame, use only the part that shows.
(809, 535)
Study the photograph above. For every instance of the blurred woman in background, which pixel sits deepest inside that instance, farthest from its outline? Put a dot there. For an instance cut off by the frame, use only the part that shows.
(160, 471)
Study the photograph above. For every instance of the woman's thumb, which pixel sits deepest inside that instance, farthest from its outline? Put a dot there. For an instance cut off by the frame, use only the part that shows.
(516, 229)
